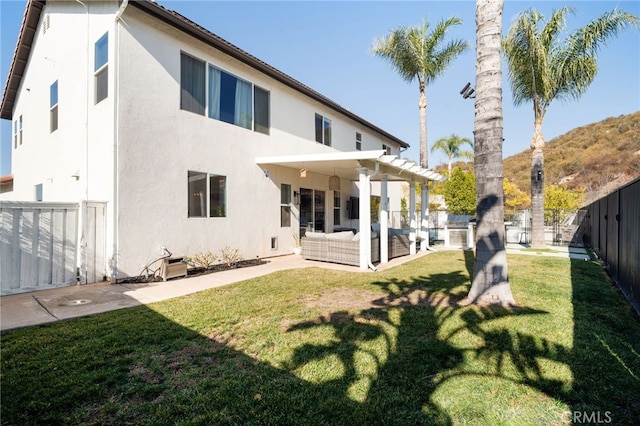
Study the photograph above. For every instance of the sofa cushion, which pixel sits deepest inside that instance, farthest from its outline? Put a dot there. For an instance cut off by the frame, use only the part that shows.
(321, 235)
(343, 235)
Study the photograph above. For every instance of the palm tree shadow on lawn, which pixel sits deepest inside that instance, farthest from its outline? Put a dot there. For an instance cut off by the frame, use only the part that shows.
(425, 334)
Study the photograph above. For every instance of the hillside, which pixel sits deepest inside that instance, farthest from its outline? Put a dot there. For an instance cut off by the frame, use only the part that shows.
(598, 157)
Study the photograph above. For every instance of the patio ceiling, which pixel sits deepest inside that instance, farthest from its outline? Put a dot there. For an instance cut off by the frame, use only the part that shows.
(346, 164)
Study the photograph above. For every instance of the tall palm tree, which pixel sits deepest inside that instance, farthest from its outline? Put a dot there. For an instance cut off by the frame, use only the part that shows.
(417, 53)
(543, 67)
(490, 274)
(452, 148)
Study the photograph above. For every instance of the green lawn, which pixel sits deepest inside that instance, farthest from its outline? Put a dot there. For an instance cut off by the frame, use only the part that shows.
(317, 347)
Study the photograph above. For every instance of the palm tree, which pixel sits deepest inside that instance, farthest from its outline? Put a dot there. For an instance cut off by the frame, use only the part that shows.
(490, 274)
(418, 54)
(452, 148)
(543, 67)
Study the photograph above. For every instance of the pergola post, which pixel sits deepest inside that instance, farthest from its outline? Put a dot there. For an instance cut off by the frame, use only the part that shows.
(365, 218)
(412, 215)
(424, 217)
(384, 221)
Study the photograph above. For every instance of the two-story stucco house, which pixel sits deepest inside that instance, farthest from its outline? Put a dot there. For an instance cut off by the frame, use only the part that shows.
(181, 139)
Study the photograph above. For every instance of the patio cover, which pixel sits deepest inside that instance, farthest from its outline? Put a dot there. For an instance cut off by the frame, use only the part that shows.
(364, 167)
(346, 164)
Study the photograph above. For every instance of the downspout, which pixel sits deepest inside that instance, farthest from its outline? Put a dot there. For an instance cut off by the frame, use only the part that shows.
(83, 223)
(116, 70)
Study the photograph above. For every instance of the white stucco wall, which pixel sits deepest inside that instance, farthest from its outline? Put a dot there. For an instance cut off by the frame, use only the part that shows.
(51, 158)
(158, 143)
(139, 144)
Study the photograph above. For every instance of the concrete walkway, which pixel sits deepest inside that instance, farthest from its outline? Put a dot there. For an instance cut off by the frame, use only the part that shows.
(47, 306)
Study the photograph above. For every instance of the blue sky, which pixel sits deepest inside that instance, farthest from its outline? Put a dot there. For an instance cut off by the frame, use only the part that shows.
(327, 46)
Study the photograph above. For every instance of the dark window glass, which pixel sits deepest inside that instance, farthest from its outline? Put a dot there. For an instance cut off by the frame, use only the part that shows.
(192, 84)
(197, 187)
(217, 200)
(102, 85)
(285, 216)
(318, 128)
(261, 110)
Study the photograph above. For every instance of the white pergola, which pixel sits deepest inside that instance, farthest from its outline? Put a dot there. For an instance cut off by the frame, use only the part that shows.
(364, 167)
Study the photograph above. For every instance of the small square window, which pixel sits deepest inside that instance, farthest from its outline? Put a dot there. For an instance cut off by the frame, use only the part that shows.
(38, 189)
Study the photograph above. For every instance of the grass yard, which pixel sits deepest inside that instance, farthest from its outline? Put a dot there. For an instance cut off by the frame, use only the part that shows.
(324, 347)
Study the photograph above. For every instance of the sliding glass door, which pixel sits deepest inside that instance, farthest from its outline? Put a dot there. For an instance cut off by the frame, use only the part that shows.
(312, 210)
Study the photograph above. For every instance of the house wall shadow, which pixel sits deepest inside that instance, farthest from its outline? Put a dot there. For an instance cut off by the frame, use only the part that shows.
(90, 371)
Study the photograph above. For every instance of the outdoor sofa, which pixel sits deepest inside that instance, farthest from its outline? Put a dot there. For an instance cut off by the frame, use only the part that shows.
(344, 247)
(337, 247)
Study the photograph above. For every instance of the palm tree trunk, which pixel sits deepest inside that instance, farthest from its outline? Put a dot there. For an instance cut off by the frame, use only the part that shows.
(537, 186)
(490, 274)
(422, 108)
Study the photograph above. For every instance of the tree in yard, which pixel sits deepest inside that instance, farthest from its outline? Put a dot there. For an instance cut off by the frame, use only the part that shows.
(490, 284)
(452, 148)
(514, 198)
(543, 67)
(460, 192)
(418, 53)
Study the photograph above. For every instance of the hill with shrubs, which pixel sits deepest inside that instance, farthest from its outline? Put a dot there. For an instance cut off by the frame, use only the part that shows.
(596, 158)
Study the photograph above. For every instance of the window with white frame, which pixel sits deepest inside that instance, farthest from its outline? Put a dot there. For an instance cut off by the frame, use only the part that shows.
(101, 72)
(20, 130)
(323, 130)
(386, 149)
(336, 207)
(53, 107)
(285, 205)
(223, 96)
(15, 134)
(358, 141)
(206, 195)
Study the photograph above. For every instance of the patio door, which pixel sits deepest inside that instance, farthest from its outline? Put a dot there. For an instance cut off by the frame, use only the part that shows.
(312, 210)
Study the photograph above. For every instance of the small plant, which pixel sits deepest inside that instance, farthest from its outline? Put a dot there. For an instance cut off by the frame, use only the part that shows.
(230, 257)
(296, 238)
(204, 259)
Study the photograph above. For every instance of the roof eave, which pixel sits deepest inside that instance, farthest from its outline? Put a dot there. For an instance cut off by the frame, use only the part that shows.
(20, 56)
(184, 24)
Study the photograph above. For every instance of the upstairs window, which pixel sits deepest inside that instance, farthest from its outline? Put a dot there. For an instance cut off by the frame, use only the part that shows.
(101, 73)
(15, 134)
(237, 101)
(20, 130)
(192, 84)
(386, 149)
(53, 107)
(358, 141)
(229, 98)
(323, 130)
(262, 120)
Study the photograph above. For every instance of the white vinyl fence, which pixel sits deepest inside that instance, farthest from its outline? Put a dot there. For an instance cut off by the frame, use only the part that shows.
(38, 246)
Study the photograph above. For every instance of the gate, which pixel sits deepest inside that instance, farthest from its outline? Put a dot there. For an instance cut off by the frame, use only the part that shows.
(38, 246)
(94, 267)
